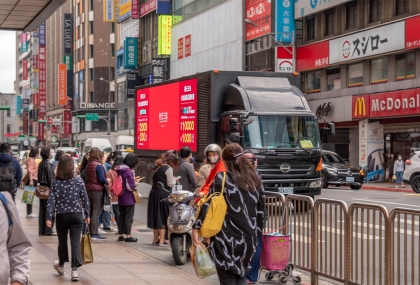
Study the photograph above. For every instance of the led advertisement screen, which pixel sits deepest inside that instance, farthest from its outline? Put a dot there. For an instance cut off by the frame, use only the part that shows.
(166, 116)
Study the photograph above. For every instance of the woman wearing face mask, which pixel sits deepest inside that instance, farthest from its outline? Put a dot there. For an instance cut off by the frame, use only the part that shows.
(399, 170)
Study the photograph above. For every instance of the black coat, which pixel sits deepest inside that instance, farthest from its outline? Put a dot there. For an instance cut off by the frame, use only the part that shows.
(45, 173)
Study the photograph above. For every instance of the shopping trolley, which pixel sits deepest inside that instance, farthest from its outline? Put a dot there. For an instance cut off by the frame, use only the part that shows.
(275, 252)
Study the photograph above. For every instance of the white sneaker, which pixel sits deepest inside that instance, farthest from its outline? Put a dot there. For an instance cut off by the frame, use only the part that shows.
(60, 270)
(74, 275)
(31, 216)
(101, 231)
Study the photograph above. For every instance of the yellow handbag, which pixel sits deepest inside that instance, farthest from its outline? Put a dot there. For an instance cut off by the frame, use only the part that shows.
(216, 213)
(86, 247)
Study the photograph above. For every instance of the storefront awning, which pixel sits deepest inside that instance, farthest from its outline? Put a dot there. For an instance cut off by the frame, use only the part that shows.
(26, 15)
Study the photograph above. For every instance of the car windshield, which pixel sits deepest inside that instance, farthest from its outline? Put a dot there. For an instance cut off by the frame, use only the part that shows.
(332, 158)
(276, 132)
(107, 149)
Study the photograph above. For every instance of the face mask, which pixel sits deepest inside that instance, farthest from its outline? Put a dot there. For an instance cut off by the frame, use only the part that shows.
(399, 158)
(214, 159)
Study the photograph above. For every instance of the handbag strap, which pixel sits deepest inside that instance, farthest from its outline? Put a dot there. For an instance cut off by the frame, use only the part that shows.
(86, 229)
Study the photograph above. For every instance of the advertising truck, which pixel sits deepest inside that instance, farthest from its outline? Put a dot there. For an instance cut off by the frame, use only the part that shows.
(264, 112)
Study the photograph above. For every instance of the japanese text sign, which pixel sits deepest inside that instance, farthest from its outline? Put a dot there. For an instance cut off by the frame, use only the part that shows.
(259, 12)
(285, 21)
(312, 56)
(412, 36)
(109, 11)
(134, 10)
(376, 41)
(24, 69)
(125, 10)
(42, 79)
(158, 68)
(164, 34)
(41, 35)
(147, 7)
(188, 46)
(67, 125)
(284, 60)
(307, 7)
(130, 53)
(180, 48)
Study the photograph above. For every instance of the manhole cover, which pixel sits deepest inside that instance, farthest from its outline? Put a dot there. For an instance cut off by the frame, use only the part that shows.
(145, 230)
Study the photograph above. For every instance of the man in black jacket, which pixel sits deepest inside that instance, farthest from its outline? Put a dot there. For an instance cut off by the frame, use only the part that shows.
(7, 159)
(186, 170)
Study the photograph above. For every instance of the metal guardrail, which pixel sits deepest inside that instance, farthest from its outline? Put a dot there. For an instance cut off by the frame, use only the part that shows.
(358, 245)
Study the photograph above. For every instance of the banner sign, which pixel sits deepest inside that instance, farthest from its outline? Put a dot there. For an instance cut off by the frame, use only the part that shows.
(134, 9)
(412, 37)
(180, 48)
(18, 105)
(308, 7)
(312, 56)
(133, 80)
(24, 69)
(42, 89)
(34, 63)
(188, 46)
(40, 130)
(35, 43)
(158, 69)
(130, 53)
(259, 12)
(285, 22)
(23, 42)
(41, 35)
(68, 61)
(371, 42)
(68, 35)
(164, 34)
(147, 7)
(125, 10)
(62, 84)
(67, 125)
(109, 11)
(25, 122)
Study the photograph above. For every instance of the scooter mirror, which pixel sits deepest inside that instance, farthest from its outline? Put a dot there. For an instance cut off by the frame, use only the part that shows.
(160, 185)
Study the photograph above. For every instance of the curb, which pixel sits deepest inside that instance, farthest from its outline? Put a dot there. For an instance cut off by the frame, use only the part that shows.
(387, 189)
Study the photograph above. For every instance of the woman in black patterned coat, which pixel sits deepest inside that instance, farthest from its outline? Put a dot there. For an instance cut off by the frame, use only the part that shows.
(233, 247)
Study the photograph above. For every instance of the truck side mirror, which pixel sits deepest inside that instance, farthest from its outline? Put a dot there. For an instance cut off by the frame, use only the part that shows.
(331, 129)
(233, 124)
(235, 137)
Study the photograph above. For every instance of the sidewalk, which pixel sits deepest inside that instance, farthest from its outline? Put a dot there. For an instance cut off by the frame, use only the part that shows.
(387, 186)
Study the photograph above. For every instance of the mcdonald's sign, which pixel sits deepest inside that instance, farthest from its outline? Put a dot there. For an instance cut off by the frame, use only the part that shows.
(361, 107)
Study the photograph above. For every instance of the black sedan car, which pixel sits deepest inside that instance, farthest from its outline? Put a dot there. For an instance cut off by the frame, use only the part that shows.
(337, 171)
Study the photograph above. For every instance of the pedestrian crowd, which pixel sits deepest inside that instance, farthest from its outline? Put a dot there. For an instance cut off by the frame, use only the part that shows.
(101, 192)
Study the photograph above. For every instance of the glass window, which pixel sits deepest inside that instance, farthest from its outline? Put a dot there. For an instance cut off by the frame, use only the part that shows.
(313, 82)
(401, 7)
(91, 99)
(91, 74)
(330, 22)
(91, 5)
(310, 28)
(131, 118)
(122, 92)
(379, 70)
(112, 50)
(8, 113)
(123, 119)
(91, 28)
(351, 15)
(333, 78)
(355, 75)
(375, 10)
(112, 73)
(90, 51)
(405, 64)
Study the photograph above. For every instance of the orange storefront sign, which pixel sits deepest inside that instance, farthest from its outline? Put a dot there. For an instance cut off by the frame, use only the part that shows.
(62, 84)
(360, 107)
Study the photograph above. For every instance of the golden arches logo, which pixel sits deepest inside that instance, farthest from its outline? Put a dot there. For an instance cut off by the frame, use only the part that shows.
(360, 107)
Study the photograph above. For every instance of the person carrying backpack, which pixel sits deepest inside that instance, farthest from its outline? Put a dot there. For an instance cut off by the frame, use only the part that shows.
(112, 175)
(10, 170)
(16, 263)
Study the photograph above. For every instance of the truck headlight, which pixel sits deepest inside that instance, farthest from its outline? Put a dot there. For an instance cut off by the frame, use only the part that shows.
(332, 170)
(315, 184)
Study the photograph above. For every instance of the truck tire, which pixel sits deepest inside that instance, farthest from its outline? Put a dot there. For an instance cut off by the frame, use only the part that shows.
(415, 183)
(356, 187)
(324, 181)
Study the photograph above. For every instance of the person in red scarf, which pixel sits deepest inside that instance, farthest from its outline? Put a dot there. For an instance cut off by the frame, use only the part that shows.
(213, 153)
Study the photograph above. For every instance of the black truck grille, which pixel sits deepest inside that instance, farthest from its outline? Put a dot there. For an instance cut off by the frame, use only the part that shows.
(295, 170)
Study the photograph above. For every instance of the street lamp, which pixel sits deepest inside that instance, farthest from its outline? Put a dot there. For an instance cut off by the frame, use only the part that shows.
(292, 44)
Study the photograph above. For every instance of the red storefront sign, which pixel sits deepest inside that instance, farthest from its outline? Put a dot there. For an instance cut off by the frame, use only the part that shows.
(67, 123)
(35, 63)
(180, 48)
(35, 99)
(389, 104)
(259, 12)
(24, 69)
(134, 9)
(412, 36)
(42, 89)
(312, 56)
(147, 7)
(187, 45)
(41, 131)
(25, 122)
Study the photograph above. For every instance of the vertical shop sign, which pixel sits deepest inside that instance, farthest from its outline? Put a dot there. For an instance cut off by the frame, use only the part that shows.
(285, 22)
(25, 122)
(62, 84)
(42, 89)
(259, 12)
(158, 68)
(24, 69)
(134, 9)
(34, 63)
(109, 11)
(180, 48)
(132, 81)
(130, 53)
(18, 105)
(23, 42)
(41, 35)
(187, 45)
(67, 126)
(35, 43)
(284, 60)
(40, 130)
(164, 34)
(68, 35)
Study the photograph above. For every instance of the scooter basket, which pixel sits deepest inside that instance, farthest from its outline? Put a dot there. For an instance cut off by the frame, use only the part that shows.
(275, 252)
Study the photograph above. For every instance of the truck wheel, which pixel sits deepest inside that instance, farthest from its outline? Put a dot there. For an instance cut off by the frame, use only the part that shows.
(324, 180)
(415, 184)
(356, 187)
(180, 256)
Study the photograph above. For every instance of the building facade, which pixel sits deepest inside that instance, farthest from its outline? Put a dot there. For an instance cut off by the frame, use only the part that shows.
(360, 66)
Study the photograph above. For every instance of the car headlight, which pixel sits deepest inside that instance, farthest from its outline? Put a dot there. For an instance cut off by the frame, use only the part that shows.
(315, 184)
(361, 172)
(332, 170)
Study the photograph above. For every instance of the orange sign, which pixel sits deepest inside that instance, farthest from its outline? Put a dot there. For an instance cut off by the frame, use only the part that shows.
(62, 84)
(361, 107)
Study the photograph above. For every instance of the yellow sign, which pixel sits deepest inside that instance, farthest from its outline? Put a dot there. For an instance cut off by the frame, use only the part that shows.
(360, 107)
(164, 34)
(109, 11)
(125, 8)
(306, 144)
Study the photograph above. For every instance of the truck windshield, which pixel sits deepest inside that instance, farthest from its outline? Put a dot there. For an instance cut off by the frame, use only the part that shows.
(274, 132)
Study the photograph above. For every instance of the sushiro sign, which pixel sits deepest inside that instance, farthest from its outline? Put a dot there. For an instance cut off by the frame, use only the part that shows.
(376, 41)
(389, 104)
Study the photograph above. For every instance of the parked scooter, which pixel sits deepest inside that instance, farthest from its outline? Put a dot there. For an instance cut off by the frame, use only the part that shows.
(180, 221)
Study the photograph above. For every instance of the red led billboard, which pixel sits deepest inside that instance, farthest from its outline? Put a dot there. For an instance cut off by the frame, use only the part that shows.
(166, 116)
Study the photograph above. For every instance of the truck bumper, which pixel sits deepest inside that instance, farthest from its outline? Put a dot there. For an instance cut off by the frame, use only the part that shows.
(309, 187)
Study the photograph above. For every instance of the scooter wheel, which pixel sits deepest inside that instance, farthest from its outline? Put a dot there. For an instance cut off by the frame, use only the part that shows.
(180, 256)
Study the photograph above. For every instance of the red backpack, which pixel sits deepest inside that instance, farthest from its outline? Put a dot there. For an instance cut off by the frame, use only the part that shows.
(117, 188)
